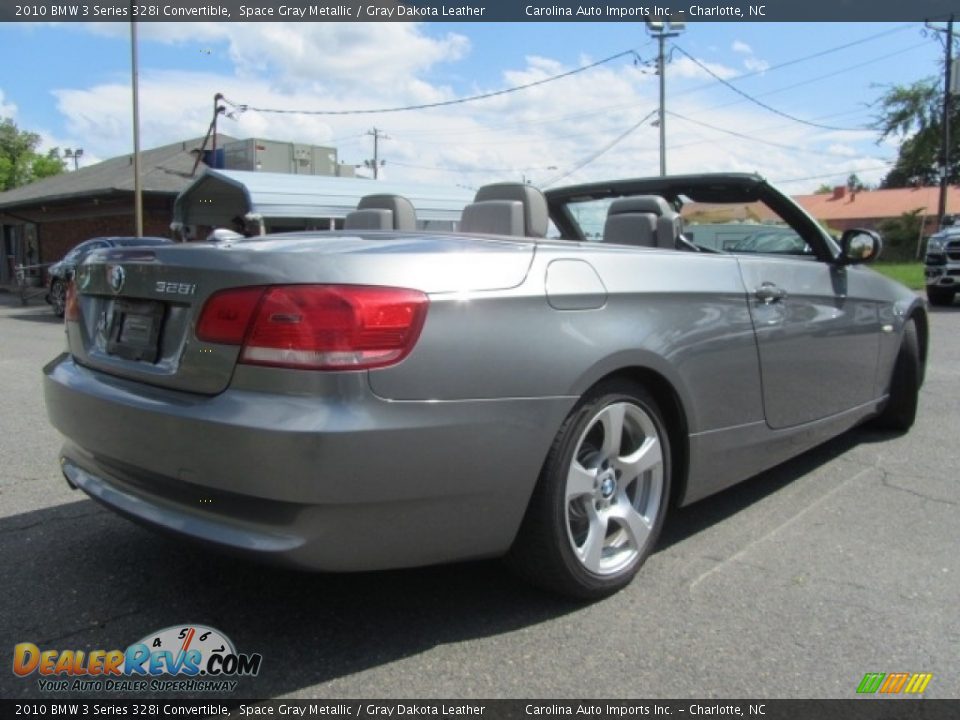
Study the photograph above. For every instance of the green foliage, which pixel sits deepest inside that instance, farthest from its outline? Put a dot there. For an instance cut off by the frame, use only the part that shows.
(47, 165)
(855, 184)
(20, 163)
(824, 189)
(908, 273)
(913, 114)
(900, 236)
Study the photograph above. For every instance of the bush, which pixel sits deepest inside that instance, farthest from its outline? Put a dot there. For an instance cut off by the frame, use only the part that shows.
(900, 236)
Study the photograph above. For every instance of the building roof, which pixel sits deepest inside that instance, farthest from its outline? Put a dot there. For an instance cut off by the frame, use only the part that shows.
(218, 195)
(868, 204)
(165, 169)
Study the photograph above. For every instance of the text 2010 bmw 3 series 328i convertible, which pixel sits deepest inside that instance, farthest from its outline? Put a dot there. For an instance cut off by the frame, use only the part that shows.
(384, 397)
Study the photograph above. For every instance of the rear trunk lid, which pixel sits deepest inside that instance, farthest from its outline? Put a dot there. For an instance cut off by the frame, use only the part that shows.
(138, 307)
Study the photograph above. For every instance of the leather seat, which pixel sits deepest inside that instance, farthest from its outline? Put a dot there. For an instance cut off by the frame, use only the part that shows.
(643, 220)
(382, 212)
(507, 209)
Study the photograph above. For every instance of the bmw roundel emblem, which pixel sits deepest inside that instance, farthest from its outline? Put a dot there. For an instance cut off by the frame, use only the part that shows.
(116, 277)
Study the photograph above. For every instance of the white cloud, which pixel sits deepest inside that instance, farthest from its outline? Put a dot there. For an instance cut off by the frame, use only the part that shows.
(684, 67)
(755, 64)
(7, 109)
(528, 133)
(838, 149)
(751, 62)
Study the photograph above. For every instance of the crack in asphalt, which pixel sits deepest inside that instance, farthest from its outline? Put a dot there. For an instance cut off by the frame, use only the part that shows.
(792, 519)
(90, 626)
(887, 483)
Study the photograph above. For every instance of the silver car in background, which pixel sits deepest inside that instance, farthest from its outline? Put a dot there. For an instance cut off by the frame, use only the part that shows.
(382, 397)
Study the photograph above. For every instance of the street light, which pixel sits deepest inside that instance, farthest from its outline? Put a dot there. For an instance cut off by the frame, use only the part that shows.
(661, 30)
(74, 155)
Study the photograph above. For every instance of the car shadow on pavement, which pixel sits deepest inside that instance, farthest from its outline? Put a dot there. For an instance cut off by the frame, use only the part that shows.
(48, 319)
(78, 577)
(683, 522)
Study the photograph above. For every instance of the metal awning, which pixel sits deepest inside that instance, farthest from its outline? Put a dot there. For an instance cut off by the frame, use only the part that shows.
(218, 196)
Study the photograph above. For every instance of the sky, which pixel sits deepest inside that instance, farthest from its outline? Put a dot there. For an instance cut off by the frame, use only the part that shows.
(71, 84)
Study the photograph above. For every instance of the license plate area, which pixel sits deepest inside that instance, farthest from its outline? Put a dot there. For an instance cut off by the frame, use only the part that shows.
(135, 330)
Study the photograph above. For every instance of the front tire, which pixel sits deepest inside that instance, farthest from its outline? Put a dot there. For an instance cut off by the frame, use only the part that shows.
(901, 409)
(601, 498)
(940, 297)
(58, 297)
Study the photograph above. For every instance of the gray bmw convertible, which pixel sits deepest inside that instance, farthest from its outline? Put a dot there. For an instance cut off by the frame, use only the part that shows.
(543, 384)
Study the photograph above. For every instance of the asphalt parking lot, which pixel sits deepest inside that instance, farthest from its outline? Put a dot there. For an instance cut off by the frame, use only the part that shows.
(793, 584)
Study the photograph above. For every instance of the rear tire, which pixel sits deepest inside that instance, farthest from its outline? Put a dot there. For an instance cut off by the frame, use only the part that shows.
(601, 498)
(940, 297)
(58, 297)
(901, 408)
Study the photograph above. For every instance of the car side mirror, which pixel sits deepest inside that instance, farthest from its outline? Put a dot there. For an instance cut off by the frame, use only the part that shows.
(859, 245)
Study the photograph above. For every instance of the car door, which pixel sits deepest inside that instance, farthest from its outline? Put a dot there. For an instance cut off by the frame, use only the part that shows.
(818, 336)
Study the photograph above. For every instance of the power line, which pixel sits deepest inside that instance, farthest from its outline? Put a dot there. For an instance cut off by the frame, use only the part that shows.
(795, 61)
(621, 106)
(757, 131)
(603, 150)
(442, 103)
(606, 109)
(760, 102)
(471, 170)
(834, 73)
(827, 175)
(734, 133)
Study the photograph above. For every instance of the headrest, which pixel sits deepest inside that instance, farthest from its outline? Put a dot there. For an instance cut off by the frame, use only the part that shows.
(494, 217)
(372, 219)
(533, 202)
(404, 215)
(631, 229)
(640, 204)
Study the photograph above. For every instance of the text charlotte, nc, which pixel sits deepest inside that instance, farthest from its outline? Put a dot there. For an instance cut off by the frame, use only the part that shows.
(652, 11)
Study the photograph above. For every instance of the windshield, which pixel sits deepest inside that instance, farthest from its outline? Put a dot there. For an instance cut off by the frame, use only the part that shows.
(713, 225)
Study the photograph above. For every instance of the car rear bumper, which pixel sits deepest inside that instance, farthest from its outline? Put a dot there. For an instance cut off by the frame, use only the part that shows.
(342, 482)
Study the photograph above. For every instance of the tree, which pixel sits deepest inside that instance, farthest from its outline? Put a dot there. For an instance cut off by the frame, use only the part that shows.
(20, 163)
(901, 236)
(824, 189)
(913, 114)
(855, 184)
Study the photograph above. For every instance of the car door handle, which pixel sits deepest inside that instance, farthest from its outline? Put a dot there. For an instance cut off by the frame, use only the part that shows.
(769, 293)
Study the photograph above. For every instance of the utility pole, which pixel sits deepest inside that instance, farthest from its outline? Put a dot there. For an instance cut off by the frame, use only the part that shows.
(376, 163)
(135, 80)
(662, 30)
(944, 169)
(217, 109)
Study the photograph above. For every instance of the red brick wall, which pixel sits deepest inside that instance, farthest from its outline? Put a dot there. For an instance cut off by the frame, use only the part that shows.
(57, 237)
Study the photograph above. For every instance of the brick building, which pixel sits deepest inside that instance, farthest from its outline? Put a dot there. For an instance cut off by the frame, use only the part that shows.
(40, 222)
(843, 209)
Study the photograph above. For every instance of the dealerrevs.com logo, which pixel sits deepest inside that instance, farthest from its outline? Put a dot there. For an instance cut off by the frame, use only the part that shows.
(188, 658)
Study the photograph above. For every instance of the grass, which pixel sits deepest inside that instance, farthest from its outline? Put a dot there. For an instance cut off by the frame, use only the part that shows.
(908, 273)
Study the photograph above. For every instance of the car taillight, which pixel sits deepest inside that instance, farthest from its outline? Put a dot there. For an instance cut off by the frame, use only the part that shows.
(226, 315)
(320, 327)
(71, 307)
